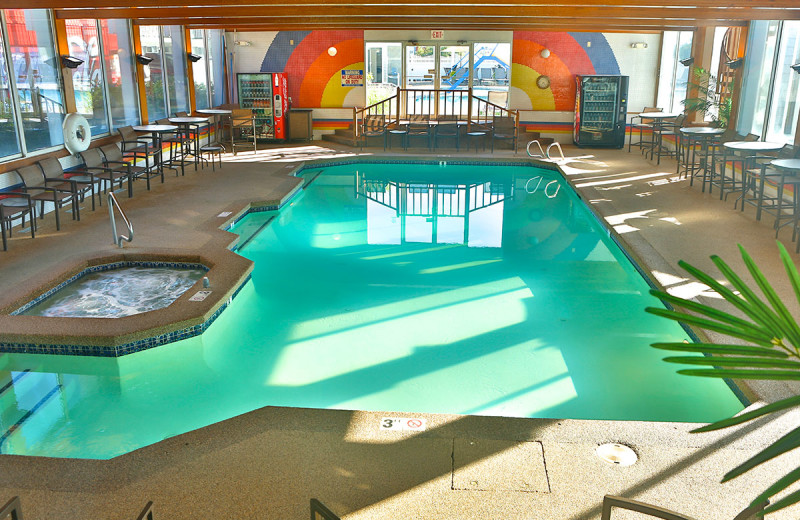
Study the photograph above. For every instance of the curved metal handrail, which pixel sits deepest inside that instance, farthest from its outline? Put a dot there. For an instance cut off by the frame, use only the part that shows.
(528, 149)
(118, 238)
(560, 151)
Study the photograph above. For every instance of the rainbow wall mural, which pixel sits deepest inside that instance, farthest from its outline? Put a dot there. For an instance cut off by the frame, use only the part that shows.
(314, 76)
(570, 54)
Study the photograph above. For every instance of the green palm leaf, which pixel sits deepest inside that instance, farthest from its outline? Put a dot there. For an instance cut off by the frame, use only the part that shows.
(772, 326)
(713, 348)
(783, 404)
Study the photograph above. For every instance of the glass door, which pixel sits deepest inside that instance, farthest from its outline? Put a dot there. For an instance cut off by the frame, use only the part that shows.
(384, 65)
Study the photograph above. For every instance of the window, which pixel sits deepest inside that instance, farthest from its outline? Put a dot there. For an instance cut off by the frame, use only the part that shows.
(216, 66)
(199, 68)
(491, 72)
(35, 80)
(165, 76)
(771, 89)
(87, 78)
(673, 75)
(209, 71)
(384, 65)
(9, 144)
(120, 74)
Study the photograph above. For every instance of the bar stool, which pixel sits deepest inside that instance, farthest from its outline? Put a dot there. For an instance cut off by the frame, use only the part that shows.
(667, 128)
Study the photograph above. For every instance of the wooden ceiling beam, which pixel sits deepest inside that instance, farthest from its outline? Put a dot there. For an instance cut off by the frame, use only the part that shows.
(461, 4)
(439, 11)
(422, 23)
(544, 28)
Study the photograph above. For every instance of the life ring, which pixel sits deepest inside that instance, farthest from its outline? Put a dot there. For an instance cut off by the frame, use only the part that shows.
(77, 133)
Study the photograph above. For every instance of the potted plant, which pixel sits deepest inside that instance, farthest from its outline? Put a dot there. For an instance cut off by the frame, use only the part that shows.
(712, 96)
(771, 352)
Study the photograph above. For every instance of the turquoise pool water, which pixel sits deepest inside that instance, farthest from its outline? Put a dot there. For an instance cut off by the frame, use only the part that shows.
(397, 287)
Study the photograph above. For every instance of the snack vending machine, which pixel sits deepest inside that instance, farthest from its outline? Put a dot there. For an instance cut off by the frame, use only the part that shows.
(266, 94)
(601, 105)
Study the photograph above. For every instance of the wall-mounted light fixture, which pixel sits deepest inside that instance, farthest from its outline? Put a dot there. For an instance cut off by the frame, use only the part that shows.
(144, 60)
(462, 42)
(194, 58)
(687, 61)
(71, 62)
(412, 42)
(639, 45)
(796, 67)
(245, 43)
(332, 51)
(544, 53)
(735, 64)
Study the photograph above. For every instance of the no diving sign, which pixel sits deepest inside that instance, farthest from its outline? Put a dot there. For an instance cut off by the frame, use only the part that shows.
(403, 424)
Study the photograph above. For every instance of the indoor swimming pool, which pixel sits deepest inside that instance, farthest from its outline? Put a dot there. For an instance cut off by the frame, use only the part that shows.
(411, 288)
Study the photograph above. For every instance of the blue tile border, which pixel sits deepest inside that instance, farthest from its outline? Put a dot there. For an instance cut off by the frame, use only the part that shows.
(126, 348)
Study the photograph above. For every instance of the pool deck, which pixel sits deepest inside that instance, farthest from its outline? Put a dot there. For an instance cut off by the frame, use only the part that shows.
(268, 463)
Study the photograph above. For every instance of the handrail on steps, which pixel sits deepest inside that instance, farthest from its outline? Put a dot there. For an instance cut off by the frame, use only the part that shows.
(117, 237)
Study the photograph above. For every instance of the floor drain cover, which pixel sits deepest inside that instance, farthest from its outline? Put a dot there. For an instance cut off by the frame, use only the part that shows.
(616, 454)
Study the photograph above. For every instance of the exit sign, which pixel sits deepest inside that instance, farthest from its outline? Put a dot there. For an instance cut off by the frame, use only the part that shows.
(437, 35)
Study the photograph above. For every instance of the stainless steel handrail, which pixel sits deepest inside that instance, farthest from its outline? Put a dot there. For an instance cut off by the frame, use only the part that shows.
(528, 149)
(559, 150)
(118, 238)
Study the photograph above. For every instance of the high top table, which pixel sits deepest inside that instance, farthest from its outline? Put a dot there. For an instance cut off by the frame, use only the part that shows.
(659, 120)
(748, 149)
(702, 136)
(217, 114)
(157, 131)
(186, 122)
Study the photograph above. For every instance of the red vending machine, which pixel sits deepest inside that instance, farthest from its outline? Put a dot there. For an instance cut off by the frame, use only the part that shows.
(265, 93)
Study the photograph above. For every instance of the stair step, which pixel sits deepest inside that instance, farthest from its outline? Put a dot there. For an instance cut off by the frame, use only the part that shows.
(340, 139)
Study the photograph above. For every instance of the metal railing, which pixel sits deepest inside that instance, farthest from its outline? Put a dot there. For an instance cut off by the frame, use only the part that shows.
(560, 151)
(434, 104)
(539, 145)
(147, 512)
(12, 509)
(118, 238)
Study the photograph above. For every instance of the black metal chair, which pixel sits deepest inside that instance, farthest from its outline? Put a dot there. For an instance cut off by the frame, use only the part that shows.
(610, 502)
(447, 130)
(105, 172)
(420, 126)
(80, 182)
(15, 205)
(179, 144)
(373, 125)
(138, 148)
(504, 128)
(667, 129)
(641, 126)
(35, 185)
(115, 159)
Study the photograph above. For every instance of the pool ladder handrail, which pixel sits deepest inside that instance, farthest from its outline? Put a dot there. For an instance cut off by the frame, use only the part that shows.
(545, 154)
(560, 151)
(528, 149)
(117, 237)
(12, 509)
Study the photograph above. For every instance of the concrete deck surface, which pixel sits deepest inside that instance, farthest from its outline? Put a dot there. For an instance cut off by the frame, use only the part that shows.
(267, 464)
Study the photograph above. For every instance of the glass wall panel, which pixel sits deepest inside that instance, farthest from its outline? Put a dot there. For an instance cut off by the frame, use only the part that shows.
(420, 66)
(757, 77)
(175, 61)
(150, 37)
(782, 120)
(120, 73)
(9, 144)
(491, 72)
(87, 78)
(199, 69)
(36, 70)
(216, 63)
(384, 63)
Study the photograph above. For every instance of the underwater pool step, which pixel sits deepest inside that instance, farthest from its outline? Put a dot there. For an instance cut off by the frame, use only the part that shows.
(14, 379)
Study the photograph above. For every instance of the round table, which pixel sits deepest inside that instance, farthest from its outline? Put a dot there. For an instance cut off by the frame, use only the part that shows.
(788, 168)
(748, 149)
(215, 112)
(157, 131)
(185, 122)
(659, 119)
(703, 135)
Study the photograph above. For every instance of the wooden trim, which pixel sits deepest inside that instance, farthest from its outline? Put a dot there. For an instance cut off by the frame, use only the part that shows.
(400, 12)
(137, 49)
(76, 4)
(187, 44)
(739, 77)
(62, 46)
